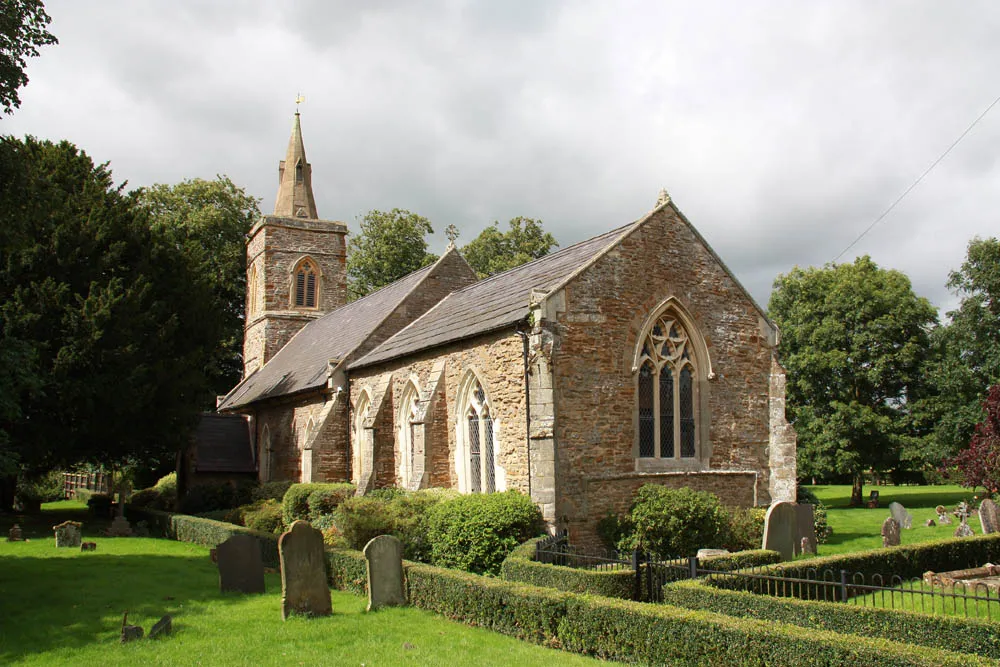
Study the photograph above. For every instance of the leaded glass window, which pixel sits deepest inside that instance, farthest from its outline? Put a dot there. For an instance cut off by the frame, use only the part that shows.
(479, 441)
(666, 392)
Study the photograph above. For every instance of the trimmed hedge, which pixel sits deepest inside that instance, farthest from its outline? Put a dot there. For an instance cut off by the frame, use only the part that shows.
(944, 632)
(664, 635)
(347, 570)
(295, 504)
(907, 561)
(184, 528)
(521, 566)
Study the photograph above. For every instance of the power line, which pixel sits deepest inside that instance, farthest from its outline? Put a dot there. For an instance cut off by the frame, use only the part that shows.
(919, 178)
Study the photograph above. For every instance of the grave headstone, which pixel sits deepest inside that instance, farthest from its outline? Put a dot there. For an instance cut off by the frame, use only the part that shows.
(68, 534)
(384, 555)
(304, 589)
(15, 534)
(120, 527)
(964, 530)
(130, 632)
(164, 626)
(707, 553)
(873, 499)
(902, 517)
(944, 519)
(930, 523)
(780, 529)
(88, 546)
(988, 516)
(890, 532)
(241, 567)
(806, 527)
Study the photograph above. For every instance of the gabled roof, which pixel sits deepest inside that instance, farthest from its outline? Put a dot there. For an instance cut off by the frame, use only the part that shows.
(303, 362)
(494, 303)
(223, 444)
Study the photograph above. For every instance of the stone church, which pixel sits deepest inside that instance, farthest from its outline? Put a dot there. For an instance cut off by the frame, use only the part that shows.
(633, 357)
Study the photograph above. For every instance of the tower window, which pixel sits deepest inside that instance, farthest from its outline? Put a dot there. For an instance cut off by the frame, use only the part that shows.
(298, 171)
(306, 284)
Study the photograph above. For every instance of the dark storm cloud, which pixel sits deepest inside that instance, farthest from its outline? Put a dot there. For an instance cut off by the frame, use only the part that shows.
(781, 129)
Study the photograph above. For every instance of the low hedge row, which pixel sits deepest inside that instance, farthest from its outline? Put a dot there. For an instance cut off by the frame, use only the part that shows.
(521, 566)
(208, 532)
(944, 632)
(906, 561)
(634, 631)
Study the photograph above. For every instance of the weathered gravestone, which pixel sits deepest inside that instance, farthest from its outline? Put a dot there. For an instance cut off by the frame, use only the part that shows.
(930, 523)
(708, 553)
(120, 527)
(781, 529)
(942, 515)
(68, 534)
(964, 530)
(130, 633)
(385, 572)
(890, 532)
(164, 626)
(15, 534)
(902, 517)
(988, 516)
(241, 567)
(303, 572)
(806, 526)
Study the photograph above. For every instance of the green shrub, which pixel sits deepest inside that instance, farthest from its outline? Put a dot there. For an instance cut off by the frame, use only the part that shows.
(37, 489)
(295, 503)
(386, 493)
(233, 516)
(263, 515)
(675, 522)
(820, 522)
(160, 496)
(99, 504)
(476, 532)
(404, 515)
(614, 530)
(361, 518)
(272, 490)
(216, 495)
(746, 528)
(325, 500)
(521, 566)
(944, 632)
(82, 495)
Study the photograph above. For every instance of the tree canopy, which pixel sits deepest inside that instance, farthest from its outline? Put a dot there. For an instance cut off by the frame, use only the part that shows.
(23, 29)
(389, 246)
(209, 220)
(853, 338)
(494, 251)
(109, 323)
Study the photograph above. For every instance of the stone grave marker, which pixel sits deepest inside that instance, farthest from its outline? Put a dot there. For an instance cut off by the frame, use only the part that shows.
(385, 572)
(780, 529)
(902, 517)
(942, 515)
(890, 532)
(930, 523)
(708, 553)
(15, 534)
(88, 546)
(164, 626)
(988, 516)
(964, 530)
(303, 572)
(241, 567)
(806, 526)
(68, 534)
(120, 527)
(130, 632)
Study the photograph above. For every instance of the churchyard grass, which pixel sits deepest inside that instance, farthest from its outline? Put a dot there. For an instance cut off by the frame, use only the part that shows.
(65, 607)
(859, 528)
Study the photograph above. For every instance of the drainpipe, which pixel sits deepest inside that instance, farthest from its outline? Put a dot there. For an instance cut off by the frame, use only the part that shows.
(527, 397)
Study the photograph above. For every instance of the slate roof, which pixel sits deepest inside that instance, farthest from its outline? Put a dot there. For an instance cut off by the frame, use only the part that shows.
(223, 444)
(302, 363)
(490, 304)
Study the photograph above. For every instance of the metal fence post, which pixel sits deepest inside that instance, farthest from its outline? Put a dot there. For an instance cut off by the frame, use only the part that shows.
(637, 566)
(843, 585)
(693, 567)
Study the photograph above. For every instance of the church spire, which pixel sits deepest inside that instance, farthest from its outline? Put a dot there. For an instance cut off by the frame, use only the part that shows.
(295, 195)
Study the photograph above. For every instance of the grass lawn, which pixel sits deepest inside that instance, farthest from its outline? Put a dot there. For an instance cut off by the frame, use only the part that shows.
(860, 528)
(61, 606)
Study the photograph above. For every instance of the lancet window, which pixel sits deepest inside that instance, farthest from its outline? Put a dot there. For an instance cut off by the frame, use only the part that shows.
(478, 440)
(306, 286)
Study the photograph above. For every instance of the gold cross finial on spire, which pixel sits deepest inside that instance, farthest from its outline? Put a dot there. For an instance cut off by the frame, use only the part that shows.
(299, 99)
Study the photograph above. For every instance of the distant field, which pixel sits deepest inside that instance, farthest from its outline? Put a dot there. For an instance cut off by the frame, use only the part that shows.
(859, 528)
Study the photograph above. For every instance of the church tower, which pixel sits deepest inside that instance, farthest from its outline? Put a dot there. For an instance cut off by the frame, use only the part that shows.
(296, 263)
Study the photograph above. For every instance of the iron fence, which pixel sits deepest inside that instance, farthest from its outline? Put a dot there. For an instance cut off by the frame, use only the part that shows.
(972, 599)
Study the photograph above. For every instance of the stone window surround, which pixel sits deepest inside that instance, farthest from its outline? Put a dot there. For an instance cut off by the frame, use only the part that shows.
(405, 437)
(462, 460)
(362, 406)
(703, 375)
(307, 452)
(253, 296)
(266, 455)
(293, 282)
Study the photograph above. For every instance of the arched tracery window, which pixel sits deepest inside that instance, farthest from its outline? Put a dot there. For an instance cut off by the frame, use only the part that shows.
(362, 440)
(477, 429)
(668, 427)
(265, 454)
(407, 431)
(253, 299)
(306, 285)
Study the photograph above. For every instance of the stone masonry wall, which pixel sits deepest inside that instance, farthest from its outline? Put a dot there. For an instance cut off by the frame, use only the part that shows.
(287, 425)
(497, 360)
(595, 389)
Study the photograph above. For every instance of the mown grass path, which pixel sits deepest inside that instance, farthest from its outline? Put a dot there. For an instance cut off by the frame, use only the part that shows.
(64, 607)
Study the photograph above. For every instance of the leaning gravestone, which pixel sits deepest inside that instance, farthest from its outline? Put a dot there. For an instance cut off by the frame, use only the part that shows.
(806, 526)
(303, 572)
(780, 529)
(988, 516)
(890, 532)
(902, 517)
(385, 572)
(68, 534)
(241, 568)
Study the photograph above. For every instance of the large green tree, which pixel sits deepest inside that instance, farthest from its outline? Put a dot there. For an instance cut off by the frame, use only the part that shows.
(23, 29)
(209, 220)
(967, 359)
(111, 322)
(389, 246)
(494, 251)
(853, 338)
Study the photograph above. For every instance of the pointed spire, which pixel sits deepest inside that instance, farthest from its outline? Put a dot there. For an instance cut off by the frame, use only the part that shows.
(295, 195)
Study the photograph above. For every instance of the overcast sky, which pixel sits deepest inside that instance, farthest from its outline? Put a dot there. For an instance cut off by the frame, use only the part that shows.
(781, 129)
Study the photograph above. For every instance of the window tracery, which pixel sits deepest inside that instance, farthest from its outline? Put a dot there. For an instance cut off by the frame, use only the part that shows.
(306, 286)
(407, 432)
(477, 430)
